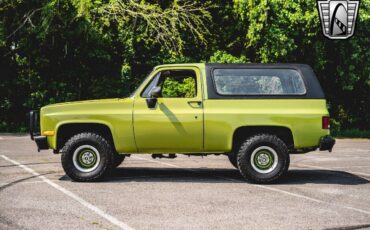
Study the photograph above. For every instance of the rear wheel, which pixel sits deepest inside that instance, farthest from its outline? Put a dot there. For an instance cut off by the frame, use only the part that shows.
(263, 158)
(87, 157)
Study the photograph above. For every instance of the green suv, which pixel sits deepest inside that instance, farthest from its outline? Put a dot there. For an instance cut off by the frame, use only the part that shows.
(257, 114)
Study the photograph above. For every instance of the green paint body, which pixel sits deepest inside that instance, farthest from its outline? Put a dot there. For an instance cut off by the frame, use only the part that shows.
(181, 125)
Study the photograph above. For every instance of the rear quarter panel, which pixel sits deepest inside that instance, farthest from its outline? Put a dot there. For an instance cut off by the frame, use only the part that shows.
(302, 116)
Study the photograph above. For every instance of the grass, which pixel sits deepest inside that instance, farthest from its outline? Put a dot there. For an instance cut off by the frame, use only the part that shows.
(352, 133)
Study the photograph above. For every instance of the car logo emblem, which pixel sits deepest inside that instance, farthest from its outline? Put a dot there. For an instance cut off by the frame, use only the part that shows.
(338, 18)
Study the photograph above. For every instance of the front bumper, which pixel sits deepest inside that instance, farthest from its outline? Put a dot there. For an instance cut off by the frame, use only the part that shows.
(326, 143)
(34, 123)
(41, 142)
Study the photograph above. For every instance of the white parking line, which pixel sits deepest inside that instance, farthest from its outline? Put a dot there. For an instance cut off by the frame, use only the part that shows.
(266, 188)
(83, 202)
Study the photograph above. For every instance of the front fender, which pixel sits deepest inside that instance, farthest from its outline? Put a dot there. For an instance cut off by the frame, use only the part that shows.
(116, 114)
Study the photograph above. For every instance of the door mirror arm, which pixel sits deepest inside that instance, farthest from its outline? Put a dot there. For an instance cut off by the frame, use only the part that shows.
(154, 94)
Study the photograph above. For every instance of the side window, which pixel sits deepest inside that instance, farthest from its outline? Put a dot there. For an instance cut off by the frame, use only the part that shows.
(174, 84)
(258, 82)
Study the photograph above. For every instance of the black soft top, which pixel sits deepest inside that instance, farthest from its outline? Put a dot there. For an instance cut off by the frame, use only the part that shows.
(313, 88)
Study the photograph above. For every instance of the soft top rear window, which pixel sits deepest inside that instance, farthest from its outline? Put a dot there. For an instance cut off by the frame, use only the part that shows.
(258, 82)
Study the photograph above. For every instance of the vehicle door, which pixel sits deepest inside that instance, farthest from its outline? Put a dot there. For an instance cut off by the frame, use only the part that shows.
(168, 112)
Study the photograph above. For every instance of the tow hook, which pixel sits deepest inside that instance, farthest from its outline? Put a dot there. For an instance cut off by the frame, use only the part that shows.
(170, 156)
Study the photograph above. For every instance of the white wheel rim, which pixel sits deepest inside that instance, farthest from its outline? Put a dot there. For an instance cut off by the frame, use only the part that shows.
(91, 154)
(263, 160)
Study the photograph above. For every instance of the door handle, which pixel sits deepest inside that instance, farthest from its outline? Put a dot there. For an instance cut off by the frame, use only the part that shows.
(195, 104)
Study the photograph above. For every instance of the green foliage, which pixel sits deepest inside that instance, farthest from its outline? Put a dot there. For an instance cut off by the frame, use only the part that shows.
(290, 31)
(160, 25)
(54, 51)
(337, 131)
(278, 28)
(223, 57)
(174, 88)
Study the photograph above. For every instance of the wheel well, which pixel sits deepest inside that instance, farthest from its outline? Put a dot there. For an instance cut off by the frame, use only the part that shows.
(242, 133)
(66, 131)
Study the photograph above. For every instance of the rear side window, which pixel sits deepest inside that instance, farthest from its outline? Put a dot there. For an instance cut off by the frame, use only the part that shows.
(258, 82)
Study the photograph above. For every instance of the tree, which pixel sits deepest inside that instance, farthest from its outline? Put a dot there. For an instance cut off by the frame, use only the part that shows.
(58, 51)
(290, 31)
(53, 51)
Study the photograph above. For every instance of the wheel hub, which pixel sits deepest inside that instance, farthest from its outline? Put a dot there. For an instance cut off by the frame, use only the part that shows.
(86, 158)
(264, 159)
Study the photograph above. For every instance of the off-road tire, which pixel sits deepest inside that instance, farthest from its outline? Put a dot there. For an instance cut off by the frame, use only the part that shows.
(105, 152)
(252, 144)
(117, 160)
(233, 158)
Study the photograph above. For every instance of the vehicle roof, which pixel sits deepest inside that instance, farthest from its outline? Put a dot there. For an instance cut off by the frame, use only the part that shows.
(249, 65)
(239, 65)
(179, 65)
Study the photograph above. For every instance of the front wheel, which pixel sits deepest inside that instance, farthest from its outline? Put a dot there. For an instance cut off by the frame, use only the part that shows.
(117, 160)
(87, 157)
(263, 158)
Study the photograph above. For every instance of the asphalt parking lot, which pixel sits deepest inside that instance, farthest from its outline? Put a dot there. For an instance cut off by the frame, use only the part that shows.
(321, 191)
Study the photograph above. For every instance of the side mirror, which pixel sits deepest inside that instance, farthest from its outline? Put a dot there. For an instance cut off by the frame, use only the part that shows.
(154, 94)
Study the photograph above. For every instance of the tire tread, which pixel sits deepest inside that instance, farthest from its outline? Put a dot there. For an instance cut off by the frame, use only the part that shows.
(104, 147)
(243, 160)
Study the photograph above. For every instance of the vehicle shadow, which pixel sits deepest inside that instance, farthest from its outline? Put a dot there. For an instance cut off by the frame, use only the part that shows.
(208, 175)
(192, 175)
(322, 176)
